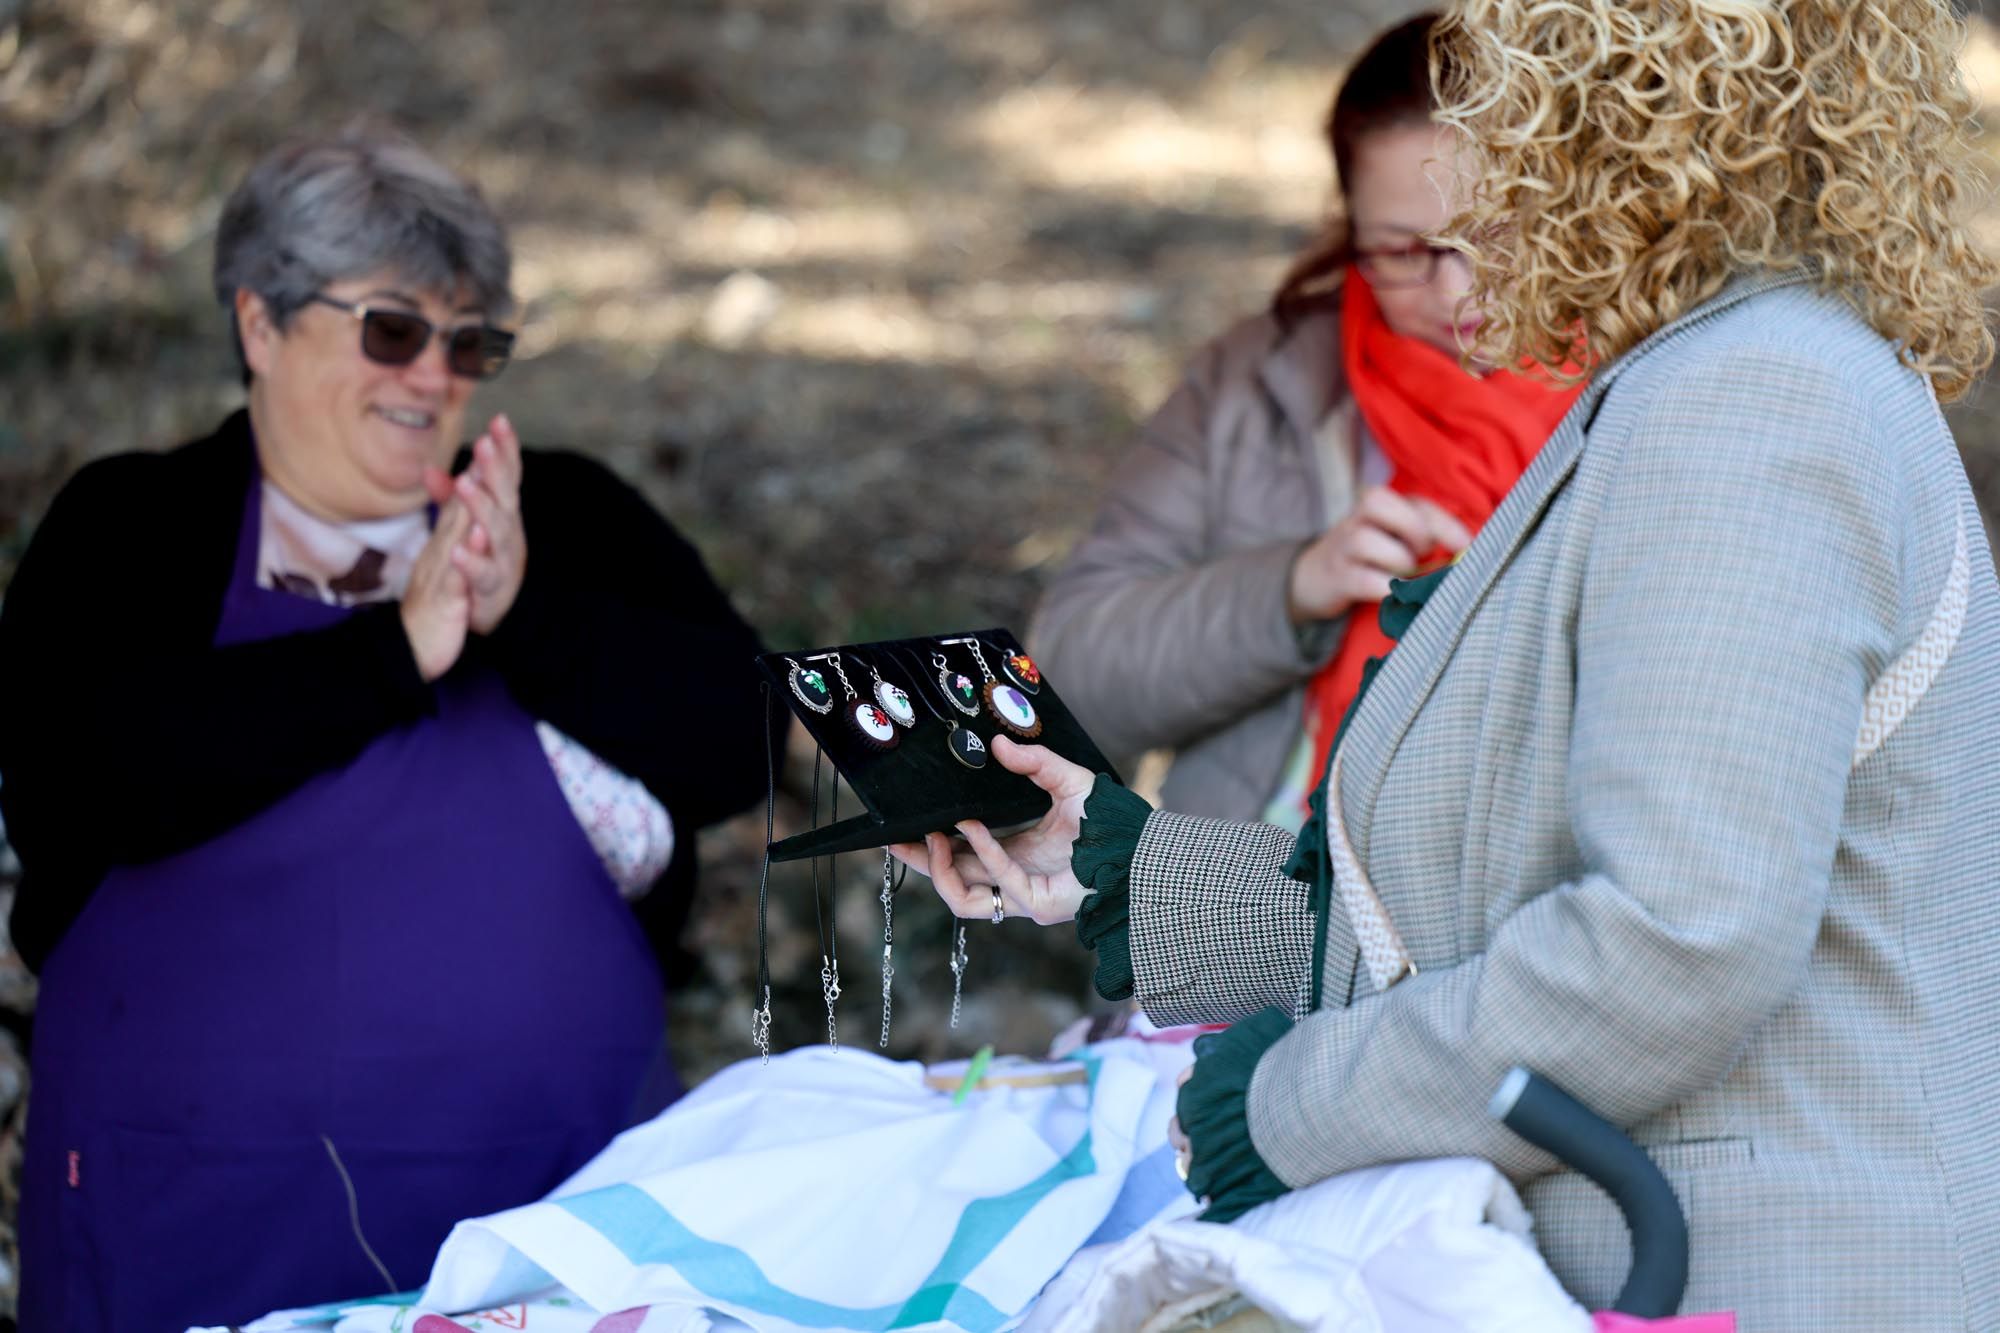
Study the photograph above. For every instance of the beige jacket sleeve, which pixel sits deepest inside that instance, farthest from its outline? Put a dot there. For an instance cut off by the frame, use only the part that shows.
(1153, 631)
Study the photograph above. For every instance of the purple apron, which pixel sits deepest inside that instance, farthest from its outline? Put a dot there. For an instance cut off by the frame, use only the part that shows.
(417, 958)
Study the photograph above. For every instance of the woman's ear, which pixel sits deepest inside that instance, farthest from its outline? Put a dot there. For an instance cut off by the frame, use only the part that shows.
(256, 331)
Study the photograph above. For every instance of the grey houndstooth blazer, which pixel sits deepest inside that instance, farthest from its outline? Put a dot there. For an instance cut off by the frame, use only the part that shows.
(1607, 788)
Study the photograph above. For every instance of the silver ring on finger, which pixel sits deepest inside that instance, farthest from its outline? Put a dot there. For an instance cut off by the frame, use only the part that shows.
(999, 906)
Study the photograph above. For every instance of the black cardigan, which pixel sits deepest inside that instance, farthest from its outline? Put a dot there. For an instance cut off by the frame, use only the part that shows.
(128, 736)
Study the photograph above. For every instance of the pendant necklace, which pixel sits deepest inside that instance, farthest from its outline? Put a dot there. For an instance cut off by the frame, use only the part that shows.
(867, 720)
(1021, 669)
(893, 700)
(891, 882)
(956, 686)
(760, 1009)
(829, 937)
(964, 743)
(1007, 703)
(957, 971)
(810, 687)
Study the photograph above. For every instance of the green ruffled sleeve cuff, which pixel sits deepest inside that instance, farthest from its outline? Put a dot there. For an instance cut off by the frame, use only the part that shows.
(1113, 819)
(1214, 1114)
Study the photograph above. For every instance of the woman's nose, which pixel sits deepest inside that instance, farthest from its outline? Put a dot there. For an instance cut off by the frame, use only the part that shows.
(431, 371)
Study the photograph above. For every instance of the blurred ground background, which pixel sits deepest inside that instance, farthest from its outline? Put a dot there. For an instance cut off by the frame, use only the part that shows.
(866, 294)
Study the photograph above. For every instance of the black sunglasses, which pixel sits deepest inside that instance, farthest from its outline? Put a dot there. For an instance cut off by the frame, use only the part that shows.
(397, 337)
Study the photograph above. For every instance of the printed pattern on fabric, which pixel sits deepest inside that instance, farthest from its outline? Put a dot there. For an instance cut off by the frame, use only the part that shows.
(629, 829)
(1902, 685)
(1222, 932)
(339, 564)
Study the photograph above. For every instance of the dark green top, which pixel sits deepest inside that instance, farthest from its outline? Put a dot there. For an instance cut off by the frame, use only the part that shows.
(1227, 1170)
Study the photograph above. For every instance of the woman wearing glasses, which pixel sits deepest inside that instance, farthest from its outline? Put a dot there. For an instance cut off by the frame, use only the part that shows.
(1223, 604)
(328, 770)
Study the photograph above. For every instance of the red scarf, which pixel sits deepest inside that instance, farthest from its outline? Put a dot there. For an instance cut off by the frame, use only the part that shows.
(1456, 439)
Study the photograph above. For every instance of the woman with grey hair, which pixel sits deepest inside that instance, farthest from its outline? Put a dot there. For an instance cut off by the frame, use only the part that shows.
(324, 832)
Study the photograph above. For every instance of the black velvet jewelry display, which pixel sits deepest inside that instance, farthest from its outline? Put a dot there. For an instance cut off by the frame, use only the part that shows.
(918, 787)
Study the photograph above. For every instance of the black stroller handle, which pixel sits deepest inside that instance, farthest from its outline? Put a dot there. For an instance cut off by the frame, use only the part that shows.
(1556, 1122)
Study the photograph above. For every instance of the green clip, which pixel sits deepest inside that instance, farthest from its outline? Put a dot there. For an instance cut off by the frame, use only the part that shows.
(973, 1073)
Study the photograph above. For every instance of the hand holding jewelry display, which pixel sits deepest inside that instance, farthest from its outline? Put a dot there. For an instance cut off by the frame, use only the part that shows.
(1030, 870)
(1007, 703)
(880, 691)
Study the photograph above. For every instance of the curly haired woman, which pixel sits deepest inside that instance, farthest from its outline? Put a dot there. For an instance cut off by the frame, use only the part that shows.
(1684, 787)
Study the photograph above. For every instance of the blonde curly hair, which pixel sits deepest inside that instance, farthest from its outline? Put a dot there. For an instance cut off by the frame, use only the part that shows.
(1627, 157)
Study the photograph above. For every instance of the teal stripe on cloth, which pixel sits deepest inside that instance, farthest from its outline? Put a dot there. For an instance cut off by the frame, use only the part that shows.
(646, 1233)
(642, 1229)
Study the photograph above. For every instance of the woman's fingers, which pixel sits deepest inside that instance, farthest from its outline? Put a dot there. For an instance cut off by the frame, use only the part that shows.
(1045, 768)
(918, 858)
(506, 468)
(1399, 516)
(1377, 548)
(481, 570)
(1451, 534)
(485, 509)
(967, 900)
(1001, 868)
(452, 522)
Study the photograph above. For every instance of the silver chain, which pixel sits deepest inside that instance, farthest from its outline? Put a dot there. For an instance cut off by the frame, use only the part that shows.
(977, 656)
(829, 987)
(957, 974)
(838, 670)
(760, 1028)
(888, 940)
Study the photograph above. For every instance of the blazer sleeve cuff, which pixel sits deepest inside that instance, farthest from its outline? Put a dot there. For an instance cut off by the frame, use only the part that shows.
(1213, 1107)
(1114, 818)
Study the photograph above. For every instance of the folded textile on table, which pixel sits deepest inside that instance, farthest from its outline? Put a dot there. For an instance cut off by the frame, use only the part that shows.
(836, 1190)
(830, 1189)
(1421, 1247)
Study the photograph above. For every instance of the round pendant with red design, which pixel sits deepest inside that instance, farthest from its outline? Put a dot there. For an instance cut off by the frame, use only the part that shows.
(1012, 710)
(877, 732)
